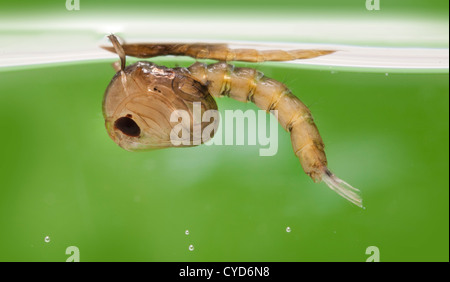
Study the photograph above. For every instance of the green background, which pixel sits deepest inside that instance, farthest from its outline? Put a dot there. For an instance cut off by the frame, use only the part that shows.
(434, 7)
(61, 176)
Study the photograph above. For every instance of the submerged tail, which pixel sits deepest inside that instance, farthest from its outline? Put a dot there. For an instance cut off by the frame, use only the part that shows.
(246, 84)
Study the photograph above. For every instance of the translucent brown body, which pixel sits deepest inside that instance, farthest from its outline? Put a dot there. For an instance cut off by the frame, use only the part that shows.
(129, 94)
(246, 84)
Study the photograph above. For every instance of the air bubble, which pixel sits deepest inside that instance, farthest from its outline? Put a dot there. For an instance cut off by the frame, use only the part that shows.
(191, 248)
(288, 229)
(186, 232)
(47, 239)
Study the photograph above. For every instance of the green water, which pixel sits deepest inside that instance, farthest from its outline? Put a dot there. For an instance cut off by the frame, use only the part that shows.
(61, 176)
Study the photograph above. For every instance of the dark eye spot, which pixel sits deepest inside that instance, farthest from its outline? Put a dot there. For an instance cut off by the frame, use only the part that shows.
(127, 126)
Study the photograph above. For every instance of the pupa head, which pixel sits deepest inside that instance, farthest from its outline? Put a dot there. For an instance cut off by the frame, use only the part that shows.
(144, 104)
